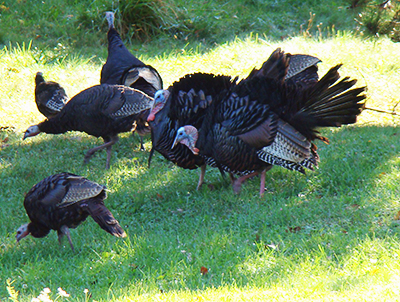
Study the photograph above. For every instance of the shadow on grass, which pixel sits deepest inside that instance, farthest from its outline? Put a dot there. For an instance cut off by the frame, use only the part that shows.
(174, 230)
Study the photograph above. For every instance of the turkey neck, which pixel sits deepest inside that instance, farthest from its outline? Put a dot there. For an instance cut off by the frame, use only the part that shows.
(57, 125)
(118, 53)
(37, 230)
(39, 79)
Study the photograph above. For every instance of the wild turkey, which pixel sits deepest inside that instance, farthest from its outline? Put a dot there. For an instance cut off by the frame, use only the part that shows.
(50, 97)
(123, 68)
(186, 102)
(260, 122)
(101, 111)
(63, 201)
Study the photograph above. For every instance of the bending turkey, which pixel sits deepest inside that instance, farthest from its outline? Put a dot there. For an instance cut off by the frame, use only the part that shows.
(63, 201)
(101, 111)
(260, 122)
(50, 97)
(123, 68)
(186, 102)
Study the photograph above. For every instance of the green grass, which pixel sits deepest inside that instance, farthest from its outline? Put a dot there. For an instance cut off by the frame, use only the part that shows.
(332, 234)
(80, 25)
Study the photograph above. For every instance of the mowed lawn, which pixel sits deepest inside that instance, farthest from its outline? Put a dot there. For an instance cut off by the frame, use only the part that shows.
(330, 235)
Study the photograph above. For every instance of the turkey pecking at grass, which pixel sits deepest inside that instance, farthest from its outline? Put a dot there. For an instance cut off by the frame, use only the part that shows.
(187, 101)
(123, 68)
(50, 97)
(63, 201)
(101, 111)
(261, 122)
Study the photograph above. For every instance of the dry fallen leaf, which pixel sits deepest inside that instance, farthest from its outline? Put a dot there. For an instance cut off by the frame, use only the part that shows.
(203, 270)
(295, 229)
(159, 196)
(397, 217)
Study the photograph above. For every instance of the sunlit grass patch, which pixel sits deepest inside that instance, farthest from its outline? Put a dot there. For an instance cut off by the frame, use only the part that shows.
(332, 234)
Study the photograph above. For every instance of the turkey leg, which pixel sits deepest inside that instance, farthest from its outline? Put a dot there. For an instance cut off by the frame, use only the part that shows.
(262, 180)
(141, 143)
(107, 144)
(237, 183)
(201, 178)
(64, 230)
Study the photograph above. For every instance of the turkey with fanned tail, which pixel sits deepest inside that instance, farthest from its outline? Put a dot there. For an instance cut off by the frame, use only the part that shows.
(187, 101)
(63, 201)
(101, 111)
(264, 121)
(50, 97)
(123, 68)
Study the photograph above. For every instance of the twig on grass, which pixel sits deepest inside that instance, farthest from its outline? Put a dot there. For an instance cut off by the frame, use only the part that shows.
(393, 112)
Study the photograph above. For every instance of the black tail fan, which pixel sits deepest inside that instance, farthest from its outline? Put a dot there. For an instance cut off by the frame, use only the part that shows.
(328, 104)
(275, 67)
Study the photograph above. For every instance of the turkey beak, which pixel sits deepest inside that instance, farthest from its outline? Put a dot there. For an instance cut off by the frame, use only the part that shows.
(26, 134)
(175, 143)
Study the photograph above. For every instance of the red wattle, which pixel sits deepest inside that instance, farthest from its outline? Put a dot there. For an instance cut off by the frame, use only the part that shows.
(151, 117)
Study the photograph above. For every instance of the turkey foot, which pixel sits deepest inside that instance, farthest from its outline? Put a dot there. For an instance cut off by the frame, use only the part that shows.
(237, 183)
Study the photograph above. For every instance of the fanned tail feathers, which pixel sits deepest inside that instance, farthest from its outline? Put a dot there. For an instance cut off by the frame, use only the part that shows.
(275, 67)
(329, 104)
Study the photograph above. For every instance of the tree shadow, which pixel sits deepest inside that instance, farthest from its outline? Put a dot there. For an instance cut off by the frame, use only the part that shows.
(174, 230)
(333, 208)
